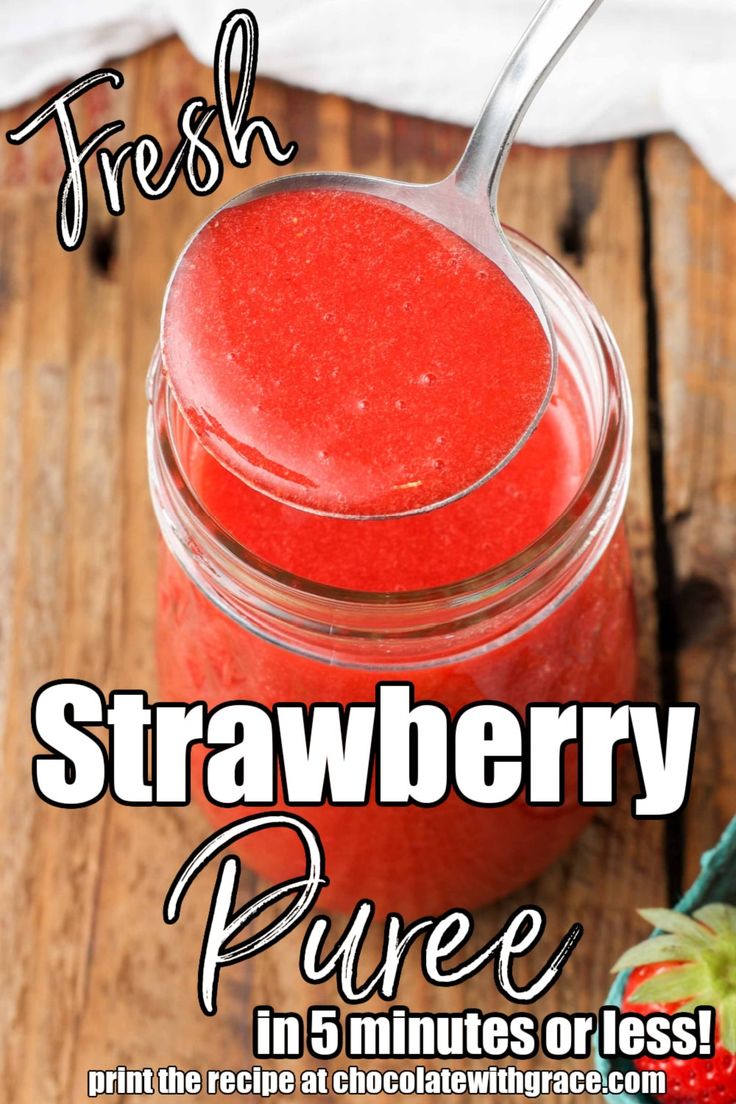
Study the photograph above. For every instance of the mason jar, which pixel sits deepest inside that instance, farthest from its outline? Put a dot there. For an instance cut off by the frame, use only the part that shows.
(552, 622)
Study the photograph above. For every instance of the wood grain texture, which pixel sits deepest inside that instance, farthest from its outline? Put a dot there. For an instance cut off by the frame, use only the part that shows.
(92, 977)
(694, 265)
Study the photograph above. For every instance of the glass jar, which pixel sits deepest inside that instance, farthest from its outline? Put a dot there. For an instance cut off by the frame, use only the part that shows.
(555, 622)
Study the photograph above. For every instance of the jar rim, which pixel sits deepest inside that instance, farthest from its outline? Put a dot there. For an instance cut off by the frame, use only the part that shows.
(598, 501)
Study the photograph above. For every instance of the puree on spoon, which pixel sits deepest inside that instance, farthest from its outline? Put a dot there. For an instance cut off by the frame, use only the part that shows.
(263, 602)
(350, 356)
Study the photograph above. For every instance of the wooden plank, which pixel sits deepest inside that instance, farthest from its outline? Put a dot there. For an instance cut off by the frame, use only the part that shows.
(140, 1008)
(75, 343)
(50, 867)
(694, 230)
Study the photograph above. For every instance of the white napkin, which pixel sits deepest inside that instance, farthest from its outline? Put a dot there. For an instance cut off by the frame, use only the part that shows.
(639, 66)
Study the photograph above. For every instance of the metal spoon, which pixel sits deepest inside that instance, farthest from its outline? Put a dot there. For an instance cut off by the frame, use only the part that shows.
(466, 201)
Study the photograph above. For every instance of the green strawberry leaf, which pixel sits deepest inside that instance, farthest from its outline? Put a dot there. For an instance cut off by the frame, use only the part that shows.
(677, 923)
(661, 948)
(721, 918)
(727, 1023)
(677, 984)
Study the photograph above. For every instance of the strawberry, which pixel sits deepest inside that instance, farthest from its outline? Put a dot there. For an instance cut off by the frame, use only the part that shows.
(692, 963)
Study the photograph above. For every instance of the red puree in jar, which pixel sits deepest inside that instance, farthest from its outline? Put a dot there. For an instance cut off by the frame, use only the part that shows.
(453, 854)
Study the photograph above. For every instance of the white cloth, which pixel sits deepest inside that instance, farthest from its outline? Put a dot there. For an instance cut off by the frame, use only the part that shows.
(639, 66)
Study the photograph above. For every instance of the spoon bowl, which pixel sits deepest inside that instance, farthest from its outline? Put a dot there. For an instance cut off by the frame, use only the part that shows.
(464, 202)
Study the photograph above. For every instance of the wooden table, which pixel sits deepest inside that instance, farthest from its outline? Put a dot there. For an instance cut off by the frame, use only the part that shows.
(91, 977)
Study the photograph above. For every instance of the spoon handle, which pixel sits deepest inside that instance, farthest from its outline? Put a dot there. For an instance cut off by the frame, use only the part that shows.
(550, 32)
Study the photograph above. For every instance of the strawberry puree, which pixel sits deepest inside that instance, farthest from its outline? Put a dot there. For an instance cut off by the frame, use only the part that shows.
(466, 537)
(349, 355)
(583, 648)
